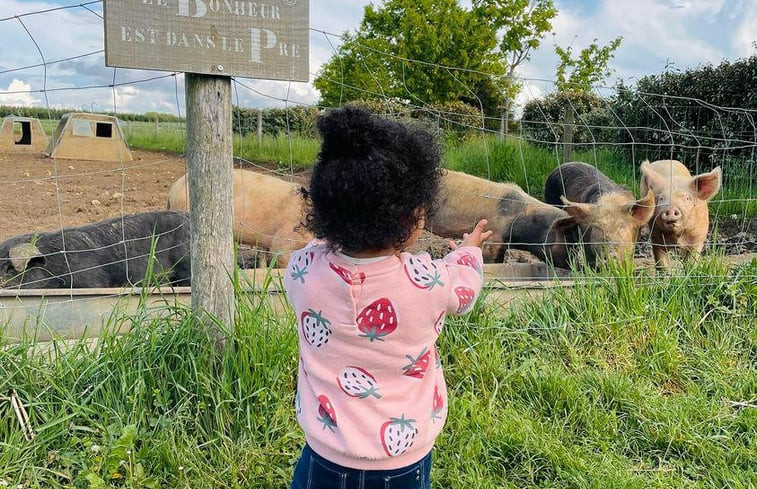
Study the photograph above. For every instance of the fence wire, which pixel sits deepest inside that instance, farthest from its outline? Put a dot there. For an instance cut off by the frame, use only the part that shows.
(611, 143)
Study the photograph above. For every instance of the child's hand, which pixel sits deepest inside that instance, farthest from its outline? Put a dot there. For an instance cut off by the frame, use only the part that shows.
(475, 237)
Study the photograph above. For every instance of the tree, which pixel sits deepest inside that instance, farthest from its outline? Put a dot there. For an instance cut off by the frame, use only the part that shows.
(522, 24)
(588, 69)
(426, 52)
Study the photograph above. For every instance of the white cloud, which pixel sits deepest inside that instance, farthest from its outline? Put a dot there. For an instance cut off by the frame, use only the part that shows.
(663, 32)
(19, 98)
(745, 36)
(656, 34)
(125, 95)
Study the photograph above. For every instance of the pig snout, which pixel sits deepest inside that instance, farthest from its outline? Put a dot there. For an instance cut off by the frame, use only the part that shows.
(669, 217)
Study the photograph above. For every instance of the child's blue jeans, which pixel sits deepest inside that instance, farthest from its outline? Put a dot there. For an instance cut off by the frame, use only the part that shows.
(315, 472)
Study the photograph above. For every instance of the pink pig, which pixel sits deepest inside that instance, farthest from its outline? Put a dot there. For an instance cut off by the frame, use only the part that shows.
(681, 218)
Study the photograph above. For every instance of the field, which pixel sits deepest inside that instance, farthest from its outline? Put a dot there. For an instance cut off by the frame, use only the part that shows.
(624, 381)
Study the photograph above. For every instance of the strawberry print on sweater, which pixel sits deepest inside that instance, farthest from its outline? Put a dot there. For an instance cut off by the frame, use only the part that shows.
(424, 274)
(300, 266)
(470, 261)
(315, 328)
(347, 276)
(326, 412)
(377, 319)
(418, 365)
(398, 435)
(439, 324)
(437, 405)
(465, 298)
(358, 382)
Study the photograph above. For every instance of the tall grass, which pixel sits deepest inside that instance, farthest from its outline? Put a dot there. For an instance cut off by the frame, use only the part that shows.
(623, 381)
(283, 151)
(287, 152)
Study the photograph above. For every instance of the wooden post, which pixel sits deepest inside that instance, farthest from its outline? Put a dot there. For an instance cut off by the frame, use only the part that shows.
(260, 127)
(210, 164)
(567, 136)
(504, 120)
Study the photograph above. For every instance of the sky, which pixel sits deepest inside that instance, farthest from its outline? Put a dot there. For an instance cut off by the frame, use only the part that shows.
(657, 34)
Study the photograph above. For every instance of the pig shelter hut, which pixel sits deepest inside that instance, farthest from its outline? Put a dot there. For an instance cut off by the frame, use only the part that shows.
(22, 135)
(84, 136)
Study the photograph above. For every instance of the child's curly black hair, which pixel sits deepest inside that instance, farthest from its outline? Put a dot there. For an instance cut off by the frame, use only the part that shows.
(373, 182)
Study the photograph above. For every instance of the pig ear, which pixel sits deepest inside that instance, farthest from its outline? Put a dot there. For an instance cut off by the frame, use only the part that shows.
(21, 254)
(706, 185)
(579, 211)
(653, 179)
(642, 210)
(564, 226)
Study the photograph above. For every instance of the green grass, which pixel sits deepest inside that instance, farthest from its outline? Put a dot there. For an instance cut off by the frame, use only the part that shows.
(624, 381)
(286, 152)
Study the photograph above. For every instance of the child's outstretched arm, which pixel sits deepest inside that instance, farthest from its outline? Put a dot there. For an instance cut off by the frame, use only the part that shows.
(466, 269)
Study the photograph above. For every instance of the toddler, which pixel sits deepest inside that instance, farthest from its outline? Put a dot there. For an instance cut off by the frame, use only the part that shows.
(371, 396)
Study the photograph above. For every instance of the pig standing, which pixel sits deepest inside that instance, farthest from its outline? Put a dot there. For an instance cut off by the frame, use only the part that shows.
(110, 253)
(608, 214)
(267, 212)
(681, 218)
(518, 220)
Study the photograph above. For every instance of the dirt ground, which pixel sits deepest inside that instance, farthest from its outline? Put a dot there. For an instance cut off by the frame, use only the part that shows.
(41, 194)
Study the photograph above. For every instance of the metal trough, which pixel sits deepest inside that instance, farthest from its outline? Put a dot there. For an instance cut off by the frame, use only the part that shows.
(81, 313)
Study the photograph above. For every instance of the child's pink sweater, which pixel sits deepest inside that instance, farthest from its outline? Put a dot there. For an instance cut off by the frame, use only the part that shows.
(370, 391)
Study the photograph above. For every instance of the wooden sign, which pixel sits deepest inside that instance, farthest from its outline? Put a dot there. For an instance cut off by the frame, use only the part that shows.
(267, 39)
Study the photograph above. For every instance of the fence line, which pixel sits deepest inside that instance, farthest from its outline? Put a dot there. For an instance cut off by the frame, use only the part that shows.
(659, 136)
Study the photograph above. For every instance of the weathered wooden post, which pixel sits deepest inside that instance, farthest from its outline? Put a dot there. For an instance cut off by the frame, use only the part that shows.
(504, 122)
(567, 136)
(209, 170)
(210, 41)
(260, 127)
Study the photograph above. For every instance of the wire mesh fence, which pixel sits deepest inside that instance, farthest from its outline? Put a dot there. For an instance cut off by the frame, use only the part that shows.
(613, 130)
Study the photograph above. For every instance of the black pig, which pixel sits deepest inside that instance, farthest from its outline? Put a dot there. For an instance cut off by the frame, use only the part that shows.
(607, 213)
(109, 253)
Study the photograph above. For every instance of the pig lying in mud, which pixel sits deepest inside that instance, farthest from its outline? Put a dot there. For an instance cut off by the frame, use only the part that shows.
(267, 212)
(110, 253)
(607, 213)
(681, 217)
(518, 220)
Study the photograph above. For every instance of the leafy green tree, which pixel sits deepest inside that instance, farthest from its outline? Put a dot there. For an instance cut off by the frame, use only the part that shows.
(521, 24)
(425, 52)
(579, 74)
